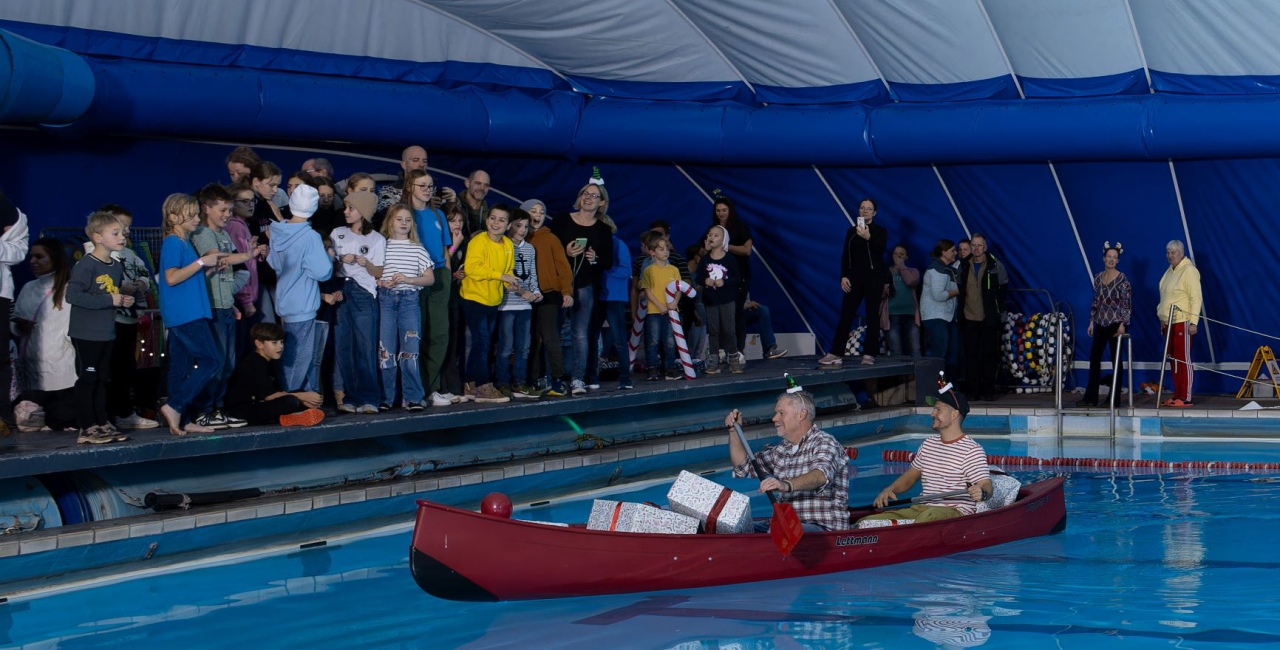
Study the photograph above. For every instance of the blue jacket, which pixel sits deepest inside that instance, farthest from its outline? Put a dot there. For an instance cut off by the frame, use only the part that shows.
(298, 257)
(616, 287)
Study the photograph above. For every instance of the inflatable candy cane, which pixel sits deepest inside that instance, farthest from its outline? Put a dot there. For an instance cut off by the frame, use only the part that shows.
(680, 286)
(637, 326)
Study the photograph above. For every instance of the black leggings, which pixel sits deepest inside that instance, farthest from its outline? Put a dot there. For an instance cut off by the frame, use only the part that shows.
(93, 371)
(872, 293)
(1102, 337)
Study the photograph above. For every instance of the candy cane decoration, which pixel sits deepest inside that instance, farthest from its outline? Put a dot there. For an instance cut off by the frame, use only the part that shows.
(637, 325)
(677, 329)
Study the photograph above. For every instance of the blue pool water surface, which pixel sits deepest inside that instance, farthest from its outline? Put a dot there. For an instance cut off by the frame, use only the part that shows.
(1157, 560)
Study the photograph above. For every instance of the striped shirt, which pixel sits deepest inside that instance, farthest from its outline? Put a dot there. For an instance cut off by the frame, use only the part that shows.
(827, 506)
(526, 268)
(407, 258)
(949, 466)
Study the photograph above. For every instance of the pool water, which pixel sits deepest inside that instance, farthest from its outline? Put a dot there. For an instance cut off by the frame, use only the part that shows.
(1149, 560)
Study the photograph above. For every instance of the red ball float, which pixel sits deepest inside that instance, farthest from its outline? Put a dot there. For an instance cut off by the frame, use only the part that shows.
(496, 504)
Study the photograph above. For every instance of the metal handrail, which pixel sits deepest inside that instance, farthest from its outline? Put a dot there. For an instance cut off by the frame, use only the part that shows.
(1057, 377)
(1168, 332)
(1115, 379)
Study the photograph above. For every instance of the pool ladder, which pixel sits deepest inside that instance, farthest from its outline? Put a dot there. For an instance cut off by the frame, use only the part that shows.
(1126, 343)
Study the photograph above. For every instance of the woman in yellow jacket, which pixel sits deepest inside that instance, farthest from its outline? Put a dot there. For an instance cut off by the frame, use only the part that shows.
(487, 275)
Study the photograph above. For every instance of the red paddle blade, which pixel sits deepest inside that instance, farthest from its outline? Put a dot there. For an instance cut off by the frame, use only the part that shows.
(785, 529)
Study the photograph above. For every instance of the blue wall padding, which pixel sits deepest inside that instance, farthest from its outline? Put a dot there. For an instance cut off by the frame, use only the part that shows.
(644, 130)
(40, 84)
(787, 135)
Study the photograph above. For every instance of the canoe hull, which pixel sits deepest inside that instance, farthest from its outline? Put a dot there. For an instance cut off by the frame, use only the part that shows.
(463, 555)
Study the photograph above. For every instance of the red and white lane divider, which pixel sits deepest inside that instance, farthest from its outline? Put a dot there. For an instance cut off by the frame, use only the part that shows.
(686, 360)
(904, 456)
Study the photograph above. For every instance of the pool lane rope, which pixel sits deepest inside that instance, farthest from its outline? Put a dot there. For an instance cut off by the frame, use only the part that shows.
(904, 456)
(686, 360)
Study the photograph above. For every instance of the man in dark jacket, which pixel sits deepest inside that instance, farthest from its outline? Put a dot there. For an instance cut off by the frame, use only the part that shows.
(982, 284)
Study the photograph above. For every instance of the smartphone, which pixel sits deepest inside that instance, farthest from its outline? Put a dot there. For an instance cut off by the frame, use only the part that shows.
(581, 242)
(862, 223)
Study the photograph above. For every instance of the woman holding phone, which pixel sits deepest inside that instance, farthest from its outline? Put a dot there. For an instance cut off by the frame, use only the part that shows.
(589, 247)
(863, 275)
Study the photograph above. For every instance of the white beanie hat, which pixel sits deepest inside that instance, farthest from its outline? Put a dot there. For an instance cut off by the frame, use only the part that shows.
(304, 201)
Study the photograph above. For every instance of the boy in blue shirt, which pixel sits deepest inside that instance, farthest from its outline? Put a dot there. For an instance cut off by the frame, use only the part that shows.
(298, 257)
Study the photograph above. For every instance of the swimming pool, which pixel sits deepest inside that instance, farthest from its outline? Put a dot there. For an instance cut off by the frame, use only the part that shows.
(1153, 560)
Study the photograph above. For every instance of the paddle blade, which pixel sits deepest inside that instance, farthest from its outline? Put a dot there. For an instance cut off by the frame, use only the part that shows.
(785, 528)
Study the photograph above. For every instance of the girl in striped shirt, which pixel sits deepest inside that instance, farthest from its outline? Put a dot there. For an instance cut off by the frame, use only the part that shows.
(406, 269)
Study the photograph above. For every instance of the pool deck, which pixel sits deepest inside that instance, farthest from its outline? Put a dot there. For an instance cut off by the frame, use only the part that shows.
(28, 453)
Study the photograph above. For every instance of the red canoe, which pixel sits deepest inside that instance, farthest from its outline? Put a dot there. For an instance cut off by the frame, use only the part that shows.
(464, 555)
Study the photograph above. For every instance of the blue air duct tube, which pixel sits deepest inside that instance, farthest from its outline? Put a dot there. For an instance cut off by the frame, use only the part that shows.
(46, 84)
(40, 84)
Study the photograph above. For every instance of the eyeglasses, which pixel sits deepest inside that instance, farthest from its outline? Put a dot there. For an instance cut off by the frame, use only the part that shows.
(425, 187)
(589, 195)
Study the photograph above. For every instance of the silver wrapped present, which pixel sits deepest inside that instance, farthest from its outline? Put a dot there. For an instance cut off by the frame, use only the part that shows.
(638, 518)
(709, 501)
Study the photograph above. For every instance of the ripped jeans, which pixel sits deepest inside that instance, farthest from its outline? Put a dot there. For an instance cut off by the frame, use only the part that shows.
(399, 340)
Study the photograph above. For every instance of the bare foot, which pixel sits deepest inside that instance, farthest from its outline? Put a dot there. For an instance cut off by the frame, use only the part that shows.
(192, 427)
(173, 419)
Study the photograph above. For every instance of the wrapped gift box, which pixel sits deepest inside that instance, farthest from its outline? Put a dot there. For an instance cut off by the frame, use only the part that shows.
(638, 518)
(884, 523)
(697, 497)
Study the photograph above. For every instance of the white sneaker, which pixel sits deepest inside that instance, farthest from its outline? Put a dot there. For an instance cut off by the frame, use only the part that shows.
(441, 400)
(578, 388)
(135, 421)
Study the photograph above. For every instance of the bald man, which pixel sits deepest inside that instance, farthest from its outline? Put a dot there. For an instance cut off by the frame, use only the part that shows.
(413, 157)
(473, 203)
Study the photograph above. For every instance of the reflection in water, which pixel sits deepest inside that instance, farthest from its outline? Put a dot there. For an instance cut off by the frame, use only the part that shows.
(1184, 553)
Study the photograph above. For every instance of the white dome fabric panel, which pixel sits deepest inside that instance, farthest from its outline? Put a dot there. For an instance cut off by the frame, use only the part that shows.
(1066, 39)
(775, 44)
(927, 41)
(385, 29)
(604, 39)
(1210, 37)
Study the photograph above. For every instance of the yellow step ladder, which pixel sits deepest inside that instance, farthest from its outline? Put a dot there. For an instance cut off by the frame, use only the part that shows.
(1264, 355)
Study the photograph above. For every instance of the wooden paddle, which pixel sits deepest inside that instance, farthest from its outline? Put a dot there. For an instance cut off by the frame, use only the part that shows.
(785, 527)
(898, 503)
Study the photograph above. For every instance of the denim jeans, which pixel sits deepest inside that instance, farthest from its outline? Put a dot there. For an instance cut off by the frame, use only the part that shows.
(618, 313)
(481, 320)
(399, 345)
(580, 322)
(297, 363)
(657, 329)
(513, 337)
(193, 362)
(944, 343)
(356, 344)
(763, 322)
(321, 342)
(698, 335)
(224, 334)
(903, 326)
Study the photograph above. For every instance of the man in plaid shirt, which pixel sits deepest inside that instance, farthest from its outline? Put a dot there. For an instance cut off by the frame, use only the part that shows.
(808, 469)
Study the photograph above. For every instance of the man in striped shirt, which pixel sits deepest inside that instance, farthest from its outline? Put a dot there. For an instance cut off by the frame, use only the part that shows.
(948, 462)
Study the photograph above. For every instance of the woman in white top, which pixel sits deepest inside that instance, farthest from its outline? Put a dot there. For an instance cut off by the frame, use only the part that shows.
(360, 251)
(406, 270)
(40, 321)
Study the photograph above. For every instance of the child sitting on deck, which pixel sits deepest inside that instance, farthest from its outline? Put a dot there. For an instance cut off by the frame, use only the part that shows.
(253, 395)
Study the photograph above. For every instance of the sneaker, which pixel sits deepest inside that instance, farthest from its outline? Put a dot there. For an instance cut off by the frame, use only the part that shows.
(775, 353)
(135, 421)
(653, 375)
(505, 389)
(307, 418)
(578, 388)
(94, 436)
(674, 373)
(738, 363)
(29, 416)
(699, 365)
(625, 384)
(439, 399)
(713, 368)
(415, 406)
(595, 385)
(831, 360)
(453, 399)
(468, 392)
(367, 409)
(488, 394)
(525, 391)
(206, 420)
(542, 385)
(556, 388)
(234, 423)
(347, 408)
(383, 408)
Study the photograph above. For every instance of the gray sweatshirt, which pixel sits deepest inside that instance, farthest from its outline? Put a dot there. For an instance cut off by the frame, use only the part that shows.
(93, 317)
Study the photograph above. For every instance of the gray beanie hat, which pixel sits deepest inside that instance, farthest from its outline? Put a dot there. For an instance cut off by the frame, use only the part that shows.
(528, 205)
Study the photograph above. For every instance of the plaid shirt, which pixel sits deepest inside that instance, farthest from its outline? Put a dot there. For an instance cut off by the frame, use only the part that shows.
(828, 506)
